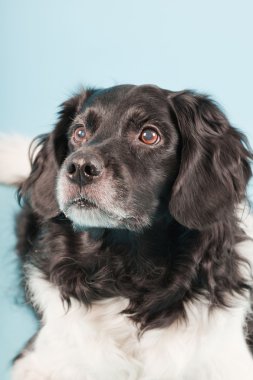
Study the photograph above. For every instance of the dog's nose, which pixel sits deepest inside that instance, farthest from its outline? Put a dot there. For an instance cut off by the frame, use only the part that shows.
(83, 170)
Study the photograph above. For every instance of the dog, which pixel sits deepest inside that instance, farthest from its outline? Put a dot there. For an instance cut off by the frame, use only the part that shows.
(135, 237)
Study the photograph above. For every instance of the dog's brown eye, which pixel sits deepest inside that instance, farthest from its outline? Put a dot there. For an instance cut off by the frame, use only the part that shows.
(149, 136)
(79, 134)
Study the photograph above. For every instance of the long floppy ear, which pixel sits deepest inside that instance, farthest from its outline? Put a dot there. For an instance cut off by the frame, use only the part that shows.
(40, 187)
(215, 162)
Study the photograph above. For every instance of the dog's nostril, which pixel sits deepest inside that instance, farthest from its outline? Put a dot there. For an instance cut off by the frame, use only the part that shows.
(91, 170)
(71, 168)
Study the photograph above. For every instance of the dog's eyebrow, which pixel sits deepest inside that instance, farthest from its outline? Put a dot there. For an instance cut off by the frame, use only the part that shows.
(141, 115)
(90, 118)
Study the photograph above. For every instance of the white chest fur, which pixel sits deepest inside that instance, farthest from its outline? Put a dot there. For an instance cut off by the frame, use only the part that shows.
(102, 344)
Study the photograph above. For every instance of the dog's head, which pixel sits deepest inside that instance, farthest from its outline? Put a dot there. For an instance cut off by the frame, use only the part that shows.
(123, 156)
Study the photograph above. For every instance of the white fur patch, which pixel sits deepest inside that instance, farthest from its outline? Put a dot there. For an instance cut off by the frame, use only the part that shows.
(14, 159)
(85, 217)
(78, 344)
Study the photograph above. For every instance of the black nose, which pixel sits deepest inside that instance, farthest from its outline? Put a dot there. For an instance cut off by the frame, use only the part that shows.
(84, 170)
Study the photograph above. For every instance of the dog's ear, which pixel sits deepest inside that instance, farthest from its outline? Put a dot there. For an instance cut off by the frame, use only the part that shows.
(214, 164)
(39, 189)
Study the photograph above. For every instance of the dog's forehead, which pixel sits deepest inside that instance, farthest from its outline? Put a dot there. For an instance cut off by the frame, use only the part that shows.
(124, 97)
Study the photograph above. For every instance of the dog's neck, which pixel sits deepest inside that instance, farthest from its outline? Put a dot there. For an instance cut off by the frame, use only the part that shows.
(156, 238)
(158, 269)
(152, 241)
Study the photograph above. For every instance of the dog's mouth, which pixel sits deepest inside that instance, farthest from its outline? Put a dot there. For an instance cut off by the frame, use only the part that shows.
(82, 202)
(85, 212)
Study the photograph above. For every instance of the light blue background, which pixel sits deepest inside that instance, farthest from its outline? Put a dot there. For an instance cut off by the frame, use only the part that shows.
(50, 47)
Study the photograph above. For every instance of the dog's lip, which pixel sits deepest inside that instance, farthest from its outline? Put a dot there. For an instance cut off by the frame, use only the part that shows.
(81, 202)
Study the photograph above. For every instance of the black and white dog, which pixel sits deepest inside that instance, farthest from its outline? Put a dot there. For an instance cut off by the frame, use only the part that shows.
(135, 240)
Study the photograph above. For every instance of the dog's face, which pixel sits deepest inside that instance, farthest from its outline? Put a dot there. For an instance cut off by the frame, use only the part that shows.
(121, 157)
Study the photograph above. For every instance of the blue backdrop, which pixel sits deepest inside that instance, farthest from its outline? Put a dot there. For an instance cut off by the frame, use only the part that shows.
(51, 47)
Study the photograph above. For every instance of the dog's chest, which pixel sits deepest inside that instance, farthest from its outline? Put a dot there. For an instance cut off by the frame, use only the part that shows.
(103, 344)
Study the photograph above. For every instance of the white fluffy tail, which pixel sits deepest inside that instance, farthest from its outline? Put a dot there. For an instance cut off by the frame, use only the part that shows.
(14, 158)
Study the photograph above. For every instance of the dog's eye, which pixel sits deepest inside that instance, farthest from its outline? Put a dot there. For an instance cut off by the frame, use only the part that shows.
(79, 134)
(149, 136)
